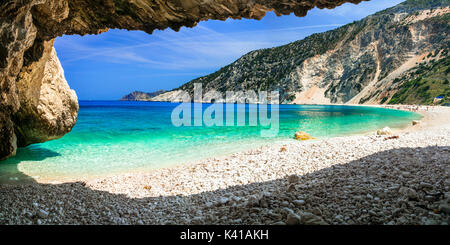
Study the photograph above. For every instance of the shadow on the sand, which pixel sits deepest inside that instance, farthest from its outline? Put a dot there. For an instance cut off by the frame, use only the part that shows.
(9, 172)
(363, 191)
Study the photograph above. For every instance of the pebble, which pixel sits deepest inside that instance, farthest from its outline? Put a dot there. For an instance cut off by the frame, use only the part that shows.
(311, 219)
(279, 223)
(444, 207)
(408, 192)
(293, 179)
(293, 219)
(298, 203)
(42, 213)
(223, 200)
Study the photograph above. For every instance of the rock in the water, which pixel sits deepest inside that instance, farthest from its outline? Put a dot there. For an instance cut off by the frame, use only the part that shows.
(384, 131)
(300, 135)
(415, 122)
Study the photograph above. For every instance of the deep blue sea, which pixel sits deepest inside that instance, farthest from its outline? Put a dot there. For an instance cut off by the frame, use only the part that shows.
(119, 136)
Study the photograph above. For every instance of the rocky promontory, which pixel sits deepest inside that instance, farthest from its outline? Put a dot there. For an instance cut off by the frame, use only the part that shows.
(141, 96)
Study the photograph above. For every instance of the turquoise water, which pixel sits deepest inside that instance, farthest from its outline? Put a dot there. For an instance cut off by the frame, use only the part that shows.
(117, 136)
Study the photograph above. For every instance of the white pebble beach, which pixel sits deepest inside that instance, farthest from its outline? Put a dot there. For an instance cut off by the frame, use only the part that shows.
(361, 179)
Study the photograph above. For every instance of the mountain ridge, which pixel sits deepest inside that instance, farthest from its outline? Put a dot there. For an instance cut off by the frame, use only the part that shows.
(345, 65)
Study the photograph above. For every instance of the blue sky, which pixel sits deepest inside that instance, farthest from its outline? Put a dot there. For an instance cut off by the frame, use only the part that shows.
(112, 64)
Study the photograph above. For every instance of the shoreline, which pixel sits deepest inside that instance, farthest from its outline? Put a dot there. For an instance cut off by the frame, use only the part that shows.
(426, 117)
(359, 179)
(432, 116)
(65, 179)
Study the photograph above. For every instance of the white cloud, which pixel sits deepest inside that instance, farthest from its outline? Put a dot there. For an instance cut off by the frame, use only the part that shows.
(199, 47)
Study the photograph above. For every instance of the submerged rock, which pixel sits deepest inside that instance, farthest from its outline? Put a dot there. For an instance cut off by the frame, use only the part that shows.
(300, 135)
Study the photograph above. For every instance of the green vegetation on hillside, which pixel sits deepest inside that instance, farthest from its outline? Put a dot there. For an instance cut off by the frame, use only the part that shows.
(426, 3)
(427, 82)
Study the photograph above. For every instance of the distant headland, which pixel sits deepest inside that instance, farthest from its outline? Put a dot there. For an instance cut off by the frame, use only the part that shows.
(141, 96)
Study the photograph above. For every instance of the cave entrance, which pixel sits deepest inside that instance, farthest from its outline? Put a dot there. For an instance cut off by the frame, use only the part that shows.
(107, 66)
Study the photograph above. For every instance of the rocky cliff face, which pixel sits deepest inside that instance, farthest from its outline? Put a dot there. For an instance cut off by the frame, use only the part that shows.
(27, 28)
(356, 63)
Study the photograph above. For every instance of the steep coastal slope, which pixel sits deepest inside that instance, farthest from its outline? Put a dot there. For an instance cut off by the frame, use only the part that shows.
(356, 63)
(425, 82)
(141, 96)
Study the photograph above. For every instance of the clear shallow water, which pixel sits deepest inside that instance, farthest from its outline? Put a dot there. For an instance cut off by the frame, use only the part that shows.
(117, 136)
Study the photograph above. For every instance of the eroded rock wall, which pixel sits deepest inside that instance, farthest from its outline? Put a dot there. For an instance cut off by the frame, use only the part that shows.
(17, 34)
